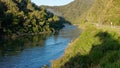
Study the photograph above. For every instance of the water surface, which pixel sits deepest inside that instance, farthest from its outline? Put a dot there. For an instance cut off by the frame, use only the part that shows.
(35, 51)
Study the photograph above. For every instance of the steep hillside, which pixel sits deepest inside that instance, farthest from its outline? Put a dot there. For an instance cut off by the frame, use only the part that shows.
(103, 12)
(22, 16)
(97, 46)
(73, 10)
(95, 11)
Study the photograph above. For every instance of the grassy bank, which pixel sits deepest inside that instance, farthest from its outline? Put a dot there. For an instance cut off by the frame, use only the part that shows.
(94, 48)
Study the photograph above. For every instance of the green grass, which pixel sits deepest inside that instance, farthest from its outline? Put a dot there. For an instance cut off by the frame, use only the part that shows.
(95, 48)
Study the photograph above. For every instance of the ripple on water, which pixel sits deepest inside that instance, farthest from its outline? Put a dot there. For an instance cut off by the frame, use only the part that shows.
(35, 51)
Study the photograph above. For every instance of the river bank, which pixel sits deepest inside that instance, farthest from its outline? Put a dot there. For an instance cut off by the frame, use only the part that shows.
(35, 51)
(95, 48)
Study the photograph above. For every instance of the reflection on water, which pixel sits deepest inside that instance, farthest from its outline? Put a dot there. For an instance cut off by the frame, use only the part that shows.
(15, 46)
(35, 51)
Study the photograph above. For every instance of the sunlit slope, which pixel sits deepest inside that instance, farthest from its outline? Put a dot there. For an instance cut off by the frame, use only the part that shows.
(103, 12)
(73, 10)
(94, 48)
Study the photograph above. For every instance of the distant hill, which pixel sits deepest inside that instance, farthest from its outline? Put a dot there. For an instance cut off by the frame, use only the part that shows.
(73, 10)
(95, 11)
(23, 16)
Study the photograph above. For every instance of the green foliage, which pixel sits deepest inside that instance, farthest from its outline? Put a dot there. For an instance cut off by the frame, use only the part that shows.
(22, 16)
(95, 48)
(55, 18)
(104, 12)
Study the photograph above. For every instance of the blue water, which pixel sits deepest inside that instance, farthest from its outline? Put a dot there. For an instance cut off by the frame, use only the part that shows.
(36, 51)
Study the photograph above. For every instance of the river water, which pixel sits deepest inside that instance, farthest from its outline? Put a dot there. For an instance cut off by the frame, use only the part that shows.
(35, 51)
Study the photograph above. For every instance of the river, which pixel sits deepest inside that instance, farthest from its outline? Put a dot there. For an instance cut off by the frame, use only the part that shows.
(35, 51)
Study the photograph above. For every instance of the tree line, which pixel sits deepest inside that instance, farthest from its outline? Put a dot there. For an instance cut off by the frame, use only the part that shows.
(23, 16)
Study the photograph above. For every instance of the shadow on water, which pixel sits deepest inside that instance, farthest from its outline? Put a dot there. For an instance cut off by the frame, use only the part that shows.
(15, 46)
(104, 55)
(35, 51)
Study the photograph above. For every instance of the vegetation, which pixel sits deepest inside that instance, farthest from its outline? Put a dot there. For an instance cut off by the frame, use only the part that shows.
(94, 11)
(99, 44)
(95, 48)
(22, 16)
(73, 10)
(103, 12)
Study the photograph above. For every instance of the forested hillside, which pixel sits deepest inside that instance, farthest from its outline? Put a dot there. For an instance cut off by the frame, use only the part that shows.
(22, 16)
(73, 10)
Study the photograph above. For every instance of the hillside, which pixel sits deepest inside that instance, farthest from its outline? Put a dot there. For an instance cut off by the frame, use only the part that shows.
(104, 12)
(95, 11)
(22, 16)
(73, 10)
(98, 46)
(95, 48)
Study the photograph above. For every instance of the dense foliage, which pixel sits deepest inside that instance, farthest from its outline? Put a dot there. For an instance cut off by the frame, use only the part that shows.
(22, 16)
